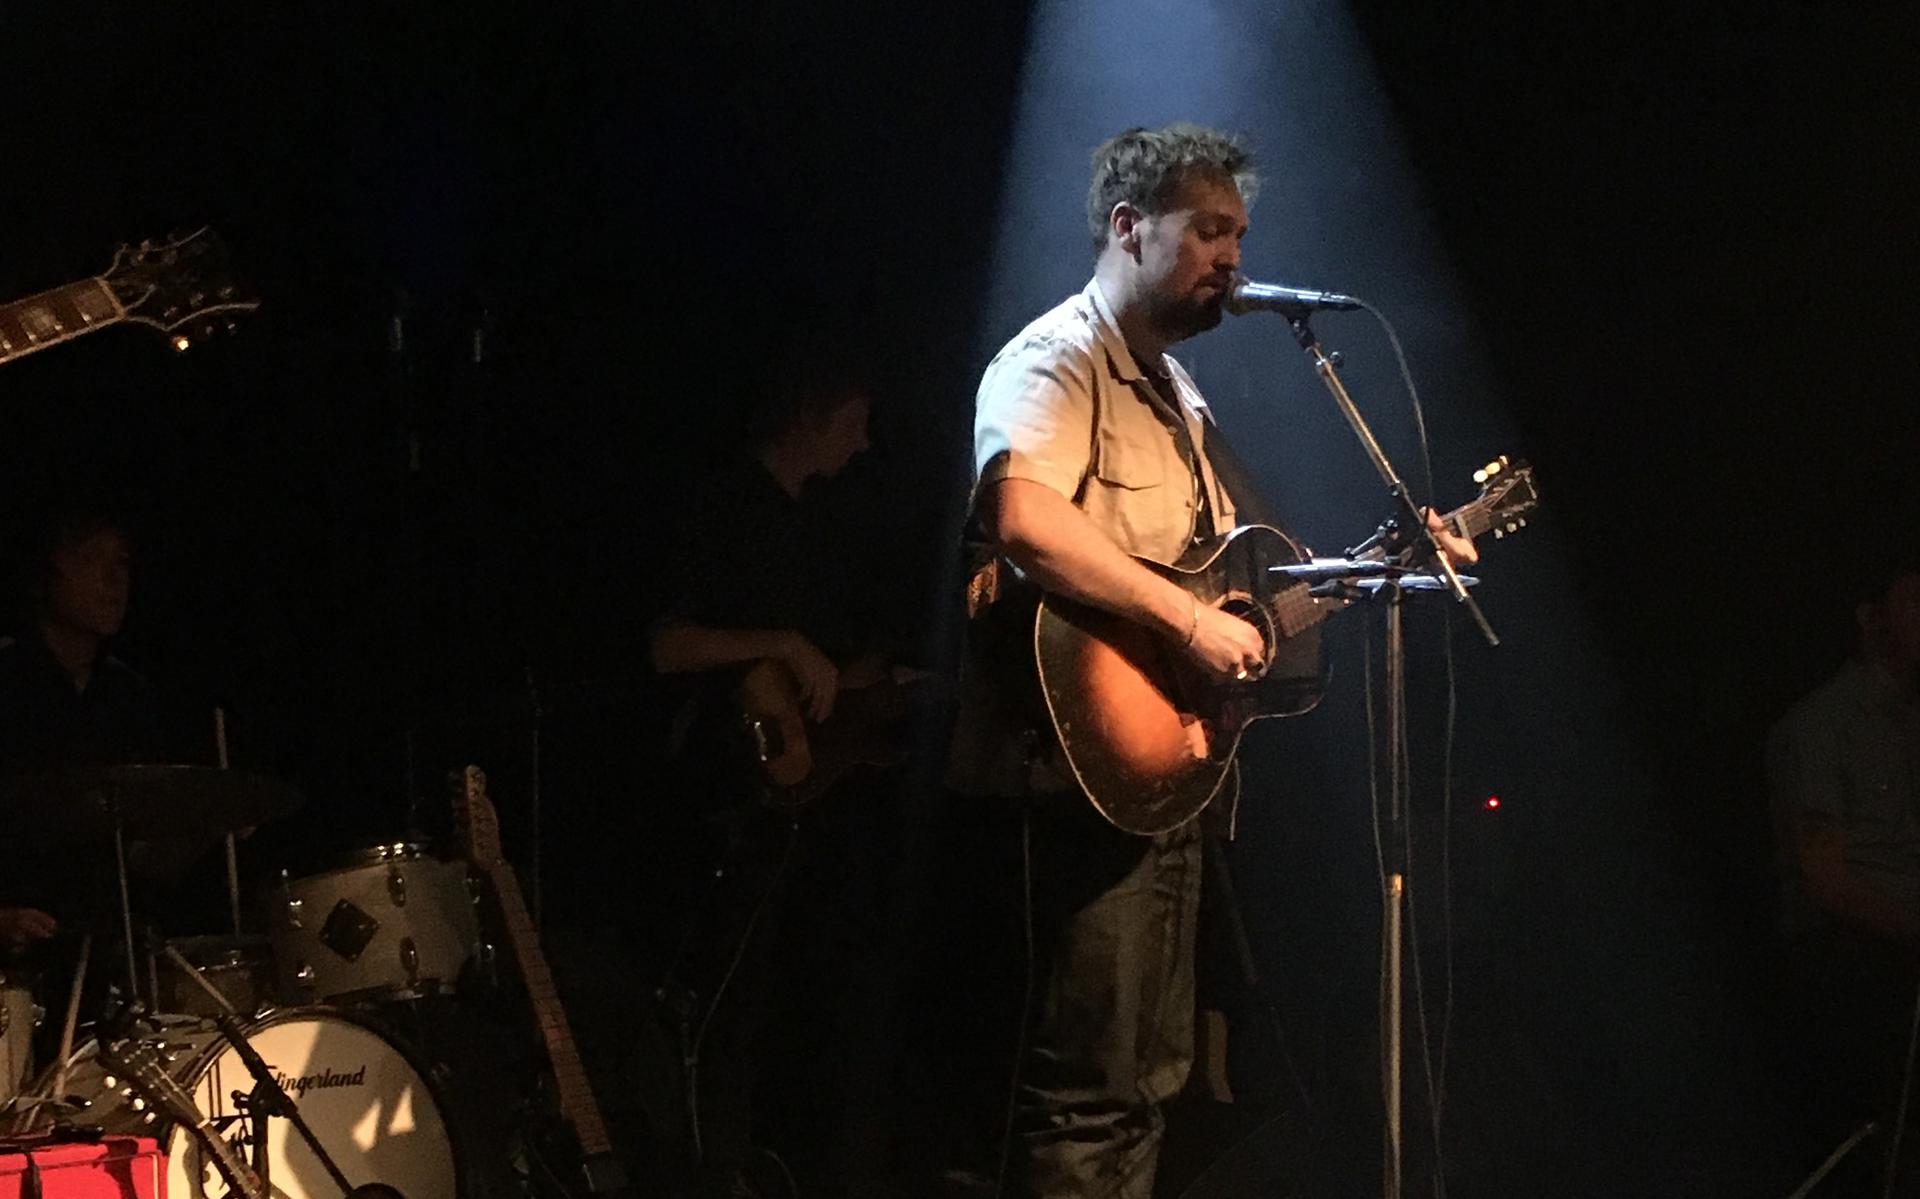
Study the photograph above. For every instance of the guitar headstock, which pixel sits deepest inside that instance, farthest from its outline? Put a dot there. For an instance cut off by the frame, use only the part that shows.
(182, 286)
(1507, 494)
(156, 1093)
(475, 823)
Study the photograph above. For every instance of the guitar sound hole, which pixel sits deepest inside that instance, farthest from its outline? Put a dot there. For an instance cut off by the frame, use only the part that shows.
(1262, 620)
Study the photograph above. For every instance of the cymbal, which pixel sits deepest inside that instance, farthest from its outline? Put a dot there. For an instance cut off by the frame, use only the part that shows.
(148, 802)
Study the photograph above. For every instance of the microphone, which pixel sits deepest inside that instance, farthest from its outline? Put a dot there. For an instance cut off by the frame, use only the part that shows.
(1244, 296)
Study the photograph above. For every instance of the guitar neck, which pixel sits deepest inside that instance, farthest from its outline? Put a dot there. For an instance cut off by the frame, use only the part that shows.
(570, 1076)
(162, 1092)
(1296, 610)
(1472, 520)
(55, 316)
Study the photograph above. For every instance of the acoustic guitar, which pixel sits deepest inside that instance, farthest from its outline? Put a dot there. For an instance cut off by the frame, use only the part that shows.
(1150, 736)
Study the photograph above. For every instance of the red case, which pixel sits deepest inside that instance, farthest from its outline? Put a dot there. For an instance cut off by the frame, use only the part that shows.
(113, 1167)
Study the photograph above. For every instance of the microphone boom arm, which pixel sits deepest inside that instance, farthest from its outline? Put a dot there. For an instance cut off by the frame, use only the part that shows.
(1328, 369)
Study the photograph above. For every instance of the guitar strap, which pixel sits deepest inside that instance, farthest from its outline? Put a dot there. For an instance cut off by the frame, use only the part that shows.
(1250, 504)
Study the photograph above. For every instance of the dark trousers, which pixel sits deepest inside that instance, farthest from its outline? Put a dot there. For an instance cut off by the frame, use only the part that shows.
(1851, 1019)
(725, 977)
(1108, 1033)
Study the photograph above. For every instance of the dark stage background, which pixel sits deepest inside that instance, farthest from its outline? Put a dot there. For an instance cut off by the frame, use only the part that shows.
(1676, 249)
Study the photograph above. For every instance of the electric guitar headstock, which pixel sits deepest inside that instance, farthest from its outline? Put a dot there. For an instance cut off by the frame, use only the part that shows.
(182, 285)
(140, 1067)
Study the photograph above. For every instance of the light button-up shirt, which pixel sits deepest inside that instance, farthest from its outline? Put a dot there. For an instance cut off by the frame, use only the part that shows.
(1066, 404)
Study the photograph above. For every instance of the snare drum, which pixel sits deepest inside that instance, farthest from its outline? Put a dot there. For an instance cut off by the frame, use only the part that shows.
(392, 923)
(240, 968)
(371, 1107)
(16, 1036)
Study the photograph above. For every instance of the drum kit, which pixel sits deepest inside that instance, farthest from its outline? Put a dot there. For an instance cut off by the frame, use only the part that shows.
(290, 1031)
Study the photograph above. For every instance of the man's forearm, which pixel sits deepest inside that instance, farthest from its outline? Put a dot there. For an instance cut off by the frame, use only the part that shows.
(680, 648)
(1867, 910)
(1839, 889)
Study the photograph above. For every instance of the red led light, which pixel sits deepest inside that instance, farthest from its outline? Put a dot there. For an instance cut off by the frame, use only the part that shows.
(1493, 802)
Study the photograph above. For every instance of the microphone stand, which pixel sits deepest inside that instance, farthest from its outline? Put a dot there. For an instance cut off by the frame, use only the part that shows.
(1412, 522)
(268, 1098)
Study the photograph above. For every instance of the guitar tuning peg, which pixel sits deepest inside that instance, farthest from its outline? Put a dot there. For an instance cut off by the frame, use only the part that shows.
(1523, 522)
(1499, 533)
(181, 344)
(1493, 468)
(1480, 476)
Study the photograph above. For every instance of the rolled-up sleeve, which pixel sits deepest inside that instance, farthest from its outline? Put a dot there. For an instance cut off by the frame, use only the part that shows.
(1033, 416)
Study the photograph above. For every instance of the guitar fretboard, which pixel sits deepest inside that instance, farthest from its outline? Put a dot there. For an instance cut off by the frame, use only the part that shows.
(569, 1075)
(56, 316)
(479, 826)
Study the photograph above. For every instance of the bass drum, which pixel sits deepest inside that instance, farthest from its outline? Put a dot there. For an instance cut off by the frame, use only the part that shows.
(367, 1103)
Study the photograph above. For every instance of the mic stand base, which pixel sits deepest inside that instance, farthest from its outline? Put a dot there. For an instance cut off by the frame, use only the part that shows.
(1411, 524)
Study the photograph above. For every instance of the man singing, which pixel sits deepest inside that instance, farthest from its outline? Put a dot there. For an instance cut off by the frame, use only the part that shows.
(1091, 446)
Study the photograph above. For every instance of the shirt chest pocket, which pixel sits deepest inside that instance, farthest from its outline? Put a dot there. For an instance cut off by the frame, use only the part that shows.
(1139, 487)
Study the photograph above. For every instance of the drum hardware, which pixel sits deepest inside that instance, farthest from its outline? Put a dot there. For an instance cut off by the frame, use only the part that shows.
(87, 808)
(268, 1097)
(18, 1017)
(400, 924)
(240, 968)
(357, 1088)
(348, 930)
(291, 908)
(229, 845)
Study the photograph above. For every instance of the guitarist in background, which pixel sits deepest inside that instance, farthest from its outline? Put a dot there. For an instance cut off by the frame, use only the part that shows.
(1092, 445)
(770, 585)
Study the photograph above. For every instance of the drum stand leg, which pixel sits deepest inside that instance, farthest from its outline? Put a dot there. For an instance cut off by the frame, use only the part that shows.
(126, 908)
(257, 1139)
(57, 1089)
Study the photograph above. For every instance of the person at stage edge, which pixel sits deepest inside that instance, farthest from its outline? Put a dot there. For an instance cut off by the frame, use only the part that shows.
(1843, 769)
(1091, 445)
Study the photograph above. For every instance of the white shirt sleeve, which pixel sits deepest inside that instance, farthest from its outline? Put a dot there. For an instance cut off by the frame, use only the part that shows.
(1033, 416)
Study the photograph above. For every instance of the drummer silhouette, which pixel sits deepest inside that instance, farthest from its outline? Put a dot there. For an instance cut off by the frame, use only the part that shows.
(64, 700)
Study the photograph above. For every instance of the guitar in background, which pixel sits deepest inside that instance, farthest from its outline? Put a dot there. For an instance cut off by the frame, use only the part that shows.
(800, 760)
(181, 287)
(140, 1064)
(477, 826)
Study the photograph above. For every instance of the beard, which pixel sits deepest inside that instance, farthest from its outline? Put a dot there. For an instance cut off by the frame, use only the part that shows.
(1180, 317)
